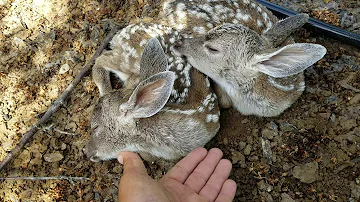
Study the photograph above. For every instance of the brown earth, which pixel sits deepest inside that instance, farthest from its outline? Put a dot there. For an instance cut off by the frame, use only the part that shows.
(309, 153)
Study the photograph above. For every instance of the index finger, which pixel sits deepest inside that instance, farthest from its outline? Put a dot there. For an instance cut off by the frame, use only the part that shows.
(133, 165)
(181, 171)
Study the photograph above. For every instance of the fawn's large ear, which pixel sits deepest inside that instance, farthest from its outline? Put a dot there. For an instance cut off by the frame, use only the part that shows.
(150, 96)
(153, 59)
(289, 60)
(283, 28)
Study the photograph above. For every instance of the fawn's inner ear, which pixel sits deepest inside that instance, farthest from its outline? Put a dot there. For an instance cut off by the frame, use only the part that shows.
(150, 93)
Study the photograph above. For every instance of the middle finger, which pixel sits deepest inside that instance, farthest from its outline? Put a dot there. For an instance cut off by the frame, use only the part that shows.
(203, 171)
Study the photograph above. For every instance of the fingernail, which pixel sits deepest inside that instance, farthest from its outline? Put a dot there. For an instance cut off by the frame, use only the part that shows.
(120, 159)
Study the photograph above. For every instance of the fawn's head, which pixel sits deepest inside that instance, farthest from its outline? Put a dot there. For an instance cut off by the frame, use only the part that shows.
(236, 53)
(114, 119)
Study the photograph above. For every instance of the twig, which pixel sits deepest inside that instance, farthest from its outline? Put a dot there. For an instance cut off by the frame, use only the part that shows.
(64, 132)
(60, 101)
(61, 177)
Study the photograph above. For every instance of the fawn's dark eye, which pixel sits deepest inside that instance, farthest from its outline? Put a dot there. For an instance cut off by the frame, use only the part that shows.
(212, 49)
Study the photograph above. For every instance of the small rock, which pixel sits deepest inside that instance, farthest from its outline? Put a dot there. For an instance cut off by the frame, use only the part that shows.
(253, 158)
(242, 145)
(247, 150)
(265, 144)
(355, 190)
(23, 159)
(263, 186)
(286, 166)
(306, 173)
(326, 93)
(287, 127)
(63, 146)
(348, 124)
(267, 196)
(333, 117)
(326, 116)
(237, 157)
(26, 194)
(64, 68)
(331, 99)
(355, 99)
(286, 198)
(245, 121)
(71, 126)
(225, 141)
(53, 157)
(268, 133)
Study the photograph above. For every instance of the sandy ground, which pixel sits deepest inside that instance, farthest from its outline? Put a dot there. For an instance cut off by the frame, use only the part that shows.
(315, 145)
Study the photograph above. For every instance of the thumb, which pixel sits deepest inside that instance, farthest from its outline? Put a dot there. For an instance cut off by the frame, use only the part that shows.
(132, 162)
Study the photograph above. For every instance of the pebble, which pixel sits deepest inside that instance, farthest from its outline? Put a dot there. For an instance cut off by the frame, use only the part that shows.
(331, 99)
(287, 127)
(64, 68)
(53, 157)
(268, 133)
(263, 186)
(347, 123)
(237, 157)
(267, 153)
(286, 198)
(355, 99)
(247, 150)
(225, 141)
(306, 173)
(242, 145)
(355, 190)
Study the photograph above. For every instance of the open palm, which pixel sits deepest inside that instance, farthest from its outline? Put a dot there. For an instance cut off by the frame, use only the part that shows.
(200, 176)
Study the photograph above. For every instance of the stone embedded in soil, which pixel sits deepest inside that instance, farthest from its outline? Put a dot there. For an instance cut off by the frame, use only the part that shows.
(306, 173)
(286, 198)
(22, 159)
(247, 150)
(347, 123)
(263, 186)
(53, 157)
(355, 190)
(268, 133)
(265, 144)
(64, 68)
(287, 127)
(355, 99)
(242, 145)
(237, 157)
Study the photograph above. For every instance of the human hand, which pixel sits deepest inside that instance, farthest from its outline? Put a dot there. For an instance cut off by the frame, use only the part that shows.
(200, 176)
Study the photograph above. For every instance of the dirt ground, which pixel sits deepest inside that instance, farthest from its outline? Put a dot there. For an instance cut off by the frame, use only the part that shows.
(309, 153)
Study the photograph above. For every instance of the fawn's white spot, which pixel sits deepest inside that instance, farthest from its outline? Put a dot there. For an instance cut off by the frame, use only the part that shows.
(187, 112)
(206, 7)
(143, 42)
(201, 109)
(242, 16)
(246, 1)
(180, 66)
(259, 23)
(199, 30)
(259, 9)
(212, 118)
(301, 86)
(211, 106)
(172, 40)
(207, 82)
